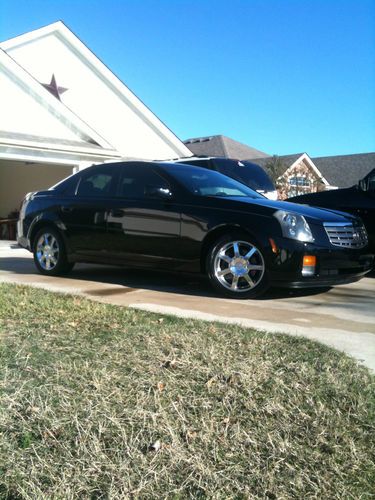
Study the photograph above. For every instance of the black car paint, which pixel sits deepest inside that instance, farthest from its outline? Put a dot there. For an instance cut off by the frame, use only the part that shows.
(175, 232)
(358, 200)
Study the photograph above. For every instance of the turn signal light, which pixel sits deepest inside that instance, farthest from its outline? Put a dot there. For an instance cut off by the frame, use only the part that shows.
(309, 260)
(273, 246)
(308, 265)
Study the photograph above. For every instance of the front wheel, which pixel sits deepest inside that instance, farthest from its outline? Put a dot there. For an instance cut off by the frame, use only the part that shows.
(49, 253)
(236, 267)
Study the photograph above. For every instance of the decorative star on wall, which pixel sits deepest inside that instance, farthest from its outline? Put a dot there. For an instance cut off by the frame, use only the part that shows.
(54, 88)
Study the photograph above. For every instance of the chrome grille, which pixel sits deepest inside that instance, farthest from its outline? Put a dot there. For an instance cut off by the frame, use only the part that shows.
(346, 234)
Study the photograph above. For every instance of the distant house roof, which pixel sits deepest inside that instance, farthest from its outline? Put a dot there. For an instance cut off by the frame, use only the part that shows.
(220, 145)
(339, 171)
(345, 170)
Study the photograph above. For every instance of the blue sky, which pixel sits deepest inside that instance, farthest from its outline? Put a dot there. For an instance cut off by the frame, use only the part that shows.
(283, 76)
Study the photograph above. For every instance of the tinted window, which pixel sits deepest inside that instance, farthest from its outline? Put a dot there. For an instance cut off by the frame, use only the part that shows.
(201, 163)
(203, 182)
(100, 182)
(246, 172)
(140, 181)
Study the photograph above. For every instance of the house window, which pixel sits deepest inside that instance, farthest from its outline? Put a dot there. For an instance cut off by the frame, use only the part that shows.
(299, 181)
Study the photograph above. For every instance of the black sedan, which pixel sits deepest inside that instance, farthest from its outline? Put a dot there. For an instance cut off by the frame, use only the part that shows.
(185, 218)
(358, 200)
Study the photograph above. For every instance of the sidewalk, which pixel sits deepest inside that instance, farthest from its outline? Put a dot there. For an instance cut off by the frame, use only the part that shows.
(343, 317)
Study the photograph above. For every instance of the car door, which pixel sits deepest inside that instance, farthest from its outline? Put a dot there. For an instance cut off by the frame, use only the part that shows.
(144, 221)
(84, 212)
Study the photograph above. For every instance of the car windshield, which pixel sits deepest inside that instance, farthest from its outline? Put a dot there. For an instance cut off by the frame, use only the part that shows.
(202, 182)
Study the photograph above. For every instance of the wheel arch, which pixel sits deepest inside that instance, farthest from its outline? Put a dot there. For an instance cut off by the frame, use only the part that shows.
(215, 234)
(44, 222)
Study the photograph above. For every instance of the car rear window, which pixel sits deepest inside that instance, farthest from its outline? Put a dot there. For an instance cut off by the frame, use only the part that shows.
(246, 172)
(202, 182)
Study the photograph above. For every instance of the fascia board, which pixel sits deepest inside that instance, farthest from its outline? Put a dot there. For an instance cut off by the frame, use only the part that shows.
(30, 36)
(54, 106)
(306, 157)
(28, 153)
(105, 74)
(122, 91)
(56, 146)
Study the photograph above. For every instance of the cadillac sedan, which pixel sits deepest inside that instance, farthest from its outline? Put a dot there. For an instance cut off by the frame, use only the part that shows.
(189, 219)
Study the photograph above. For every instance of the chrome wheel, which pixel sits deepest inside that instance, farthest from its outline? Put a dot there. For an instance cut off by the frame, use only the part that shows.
(238, 266)
(47, 251)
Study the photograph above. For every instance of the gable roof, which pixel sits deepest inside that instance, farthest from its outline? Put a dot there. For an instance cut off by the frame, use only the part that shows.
(336, 171)
(34, 124)
(220, 145)
(287, 160)
(345, 170)
(94, 93)
(23, 99)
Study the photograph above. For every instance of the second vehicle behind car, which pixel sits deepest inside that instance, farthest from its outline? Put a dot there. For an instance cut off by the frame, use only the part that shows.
(358, 200)
(244, 171)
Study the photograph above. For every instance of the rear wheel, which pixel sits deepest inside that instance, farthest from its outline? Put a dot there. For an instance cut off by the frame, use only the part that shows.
(236, 267)
(49, 253)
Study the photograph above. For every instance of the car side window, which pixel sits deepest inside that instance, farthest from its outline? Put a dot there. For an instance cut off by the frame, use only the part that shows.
(99, 183)
(140, 182)
(205, 164)
(224, 167)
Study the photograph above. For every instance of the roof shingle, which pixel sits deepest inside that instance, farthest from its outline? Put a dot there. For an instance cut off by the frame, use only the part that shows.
(220, 145)
(345, 170)
(287, 160)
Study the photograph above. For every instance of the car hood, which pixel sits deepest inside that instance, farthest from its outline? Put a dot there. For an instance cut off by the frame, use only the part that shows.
(331, 196)
(271, 206)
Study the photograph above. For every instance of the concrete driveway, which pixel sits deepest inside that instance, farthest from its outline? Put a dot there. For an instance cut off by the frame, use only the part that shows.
(342, 317)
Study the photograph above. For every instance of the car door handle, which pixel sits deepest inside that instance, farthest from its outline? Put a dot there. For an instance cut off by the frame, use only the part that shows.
(66, 209)
(117, 213)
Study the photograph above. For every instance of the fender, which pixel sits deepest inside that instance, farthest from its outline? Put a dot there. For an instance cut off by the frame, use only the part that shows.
(46, 219)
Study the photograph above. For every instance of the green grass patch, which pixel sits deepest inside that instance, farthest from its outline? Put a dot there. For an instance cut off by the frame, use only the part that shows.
(106, 402)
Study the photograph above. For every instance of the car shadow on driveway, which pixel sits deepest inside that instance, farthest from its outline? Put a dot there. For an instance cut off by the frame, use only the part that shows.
(137, 279)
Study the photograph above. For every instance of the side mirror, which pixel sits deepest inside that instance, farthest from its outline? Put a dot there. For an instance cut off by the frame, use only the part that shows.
(158, 192)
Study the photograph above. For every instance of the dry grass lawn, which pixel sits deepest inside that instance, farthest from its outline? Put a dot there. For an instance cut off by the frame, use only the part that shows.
(106, 402)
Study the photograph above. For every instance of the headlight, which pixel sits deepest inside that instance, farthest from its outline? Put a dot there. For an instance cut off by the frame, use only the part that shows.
(294, 226)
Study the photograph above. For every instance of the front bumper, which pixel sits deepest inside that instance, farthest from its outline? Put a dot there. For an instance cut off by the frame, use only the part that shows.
(22, 240)
(334, 266)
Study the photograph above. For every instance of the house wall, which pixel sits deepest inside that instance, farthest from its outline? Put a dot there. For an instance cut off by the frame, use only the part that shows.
(301, 169)
(18, 178)
(21, 111)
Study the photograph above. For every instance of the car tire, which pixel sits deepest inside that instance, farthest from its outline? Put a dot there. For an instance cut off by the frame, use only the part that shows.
(49, 253)
(236, 267)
